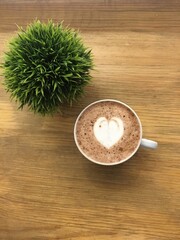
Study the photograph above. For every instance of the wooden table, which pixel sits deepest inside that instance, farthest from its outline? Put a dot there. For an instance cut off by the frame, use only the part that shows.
(48, 190)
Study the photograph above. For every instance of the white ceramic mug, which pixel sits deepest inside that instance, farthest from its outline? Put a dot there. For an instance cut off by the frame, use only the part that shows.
(142, 141)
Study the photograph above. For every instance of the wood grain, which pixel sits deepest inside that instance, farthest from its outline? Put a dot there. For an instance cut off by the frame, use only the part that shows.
(47, 189)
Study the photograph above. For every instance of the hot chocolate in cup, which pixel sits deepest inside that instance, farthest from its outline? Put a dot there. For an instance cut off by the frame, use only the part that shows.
(109, 132)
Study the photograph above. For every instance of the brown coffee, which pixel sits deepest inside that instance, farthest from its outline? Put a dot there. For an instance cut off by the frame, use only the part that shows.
(108, 132)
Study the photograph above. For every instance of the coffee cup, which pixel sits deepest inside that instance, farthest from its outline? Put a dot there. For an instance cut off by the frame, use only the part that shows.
(109, 132)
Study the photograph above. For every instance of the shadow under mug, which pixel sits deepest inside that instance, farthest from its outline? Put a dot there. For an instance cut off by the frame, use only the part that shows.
(142, 141)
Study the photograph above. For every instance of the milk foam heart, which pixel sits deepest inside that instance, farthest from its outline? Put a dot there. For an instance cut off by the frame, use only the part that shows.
(109, 132)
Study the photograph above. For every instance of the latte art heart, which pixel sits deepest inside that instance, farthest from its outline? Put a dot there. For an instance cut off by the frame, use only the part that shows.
(109, 132)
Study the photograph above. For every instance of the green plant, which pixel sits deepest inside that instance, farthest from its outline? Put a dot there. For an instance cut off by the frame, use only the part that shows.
(47, 65)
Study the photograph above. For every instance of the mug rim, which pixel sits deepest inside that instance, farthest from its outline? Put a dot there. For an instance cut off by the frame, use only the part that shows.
(103, 163)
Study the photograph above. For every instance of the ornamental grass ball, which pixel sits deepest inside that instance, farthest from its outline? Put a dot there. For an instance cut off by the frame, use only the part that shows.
(47, 65)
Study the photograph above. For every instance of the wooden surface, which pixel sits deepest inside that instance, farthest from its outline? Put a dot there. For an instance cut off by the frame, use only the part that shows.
(48, 190)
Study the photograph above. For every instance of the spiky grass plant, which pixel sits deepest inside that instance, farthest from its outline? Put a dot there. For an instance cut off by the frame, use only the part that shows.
(47, 65)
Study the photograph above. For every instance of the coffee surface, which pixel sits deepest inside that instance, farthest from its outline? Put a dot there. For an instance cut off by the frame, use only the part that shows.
(108, 132)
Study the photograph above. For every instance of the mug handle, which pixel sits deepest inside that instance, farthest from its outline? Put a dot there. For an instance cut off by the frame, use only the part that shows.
(148, 143)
